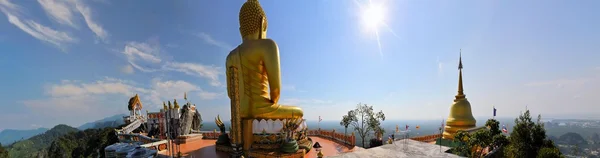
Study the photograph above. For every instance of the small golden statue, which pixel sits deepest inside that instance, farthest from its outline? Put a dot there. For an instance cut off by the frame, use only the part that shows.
(255, 63)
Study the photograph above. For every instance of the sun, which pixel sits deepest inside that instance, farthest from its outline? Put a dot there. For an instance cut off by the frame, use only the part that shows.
(373, 15)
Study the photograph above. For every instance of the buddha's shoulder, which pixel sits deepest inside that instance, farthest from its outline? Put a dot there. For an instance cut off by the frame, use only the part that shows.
(260, 44)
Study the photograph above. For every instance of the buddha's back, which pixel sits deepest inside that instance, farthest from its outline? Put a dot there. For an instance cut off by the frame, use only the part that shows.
(253, 59)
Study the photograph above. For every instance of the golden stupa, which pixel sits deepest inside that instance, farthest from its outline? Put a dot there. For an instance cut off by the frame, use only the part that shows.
(461, 117)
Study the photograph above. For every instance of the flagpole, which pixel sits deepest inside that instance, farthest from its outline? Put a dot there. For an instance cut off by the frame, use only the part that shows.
(319, 123)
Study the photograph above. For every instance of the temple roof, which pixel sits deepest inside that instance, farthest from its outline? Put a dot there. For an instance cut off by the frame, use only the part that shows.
(134, 103)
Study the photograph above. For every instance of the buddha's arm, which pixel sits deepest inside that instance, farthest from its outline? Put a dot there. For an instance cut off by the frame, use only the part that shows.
(271, 61)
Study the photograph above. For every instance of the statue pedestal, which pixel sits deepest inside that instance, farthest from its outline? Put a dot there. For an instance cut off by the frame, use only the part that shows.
(189, 138)
(236, 150)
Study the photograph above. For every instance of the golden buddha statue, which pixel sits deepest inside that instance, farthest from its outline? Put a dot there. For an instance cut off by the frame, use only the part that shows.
(460, 117)
(256, 62)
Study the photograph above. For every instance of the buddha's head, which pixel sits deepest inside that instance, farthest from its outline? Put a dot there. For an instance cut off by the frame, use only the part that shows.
(253, 20)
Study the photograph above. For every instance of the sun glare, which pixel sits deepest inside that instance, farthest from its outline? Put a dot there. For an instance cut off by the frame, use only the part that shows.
(373, 15)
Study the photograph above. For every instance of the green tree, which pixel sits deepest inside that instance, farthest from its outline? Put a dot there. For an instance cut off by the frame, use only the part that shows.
(474, 145)
(575, 150)
(3, 152)
(528, 137)
(346, 122)
(364, 120)
(463, 148)
(549, 153)
(88, 143)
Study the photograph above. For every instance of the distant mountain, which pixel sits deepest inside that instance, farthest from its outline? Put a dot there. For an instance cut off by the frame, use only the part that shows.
(571, 139)
(112, 121)
(9, 136)
(35, 145)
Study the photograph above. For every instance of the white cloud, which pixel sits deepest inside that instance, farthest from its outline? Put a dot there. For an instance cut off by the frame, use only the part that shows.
(168, 90)
(142, 53)
(105, 86)
(41, 32)
(127, 69)
(172, 89)
(145, 57)
(59, 11)
(62, 11)
(204, 95)
(6, 6)
(210, 40)
(288, 87)
(210, 72)
(74, 99)
(86, 12)
(92, 100)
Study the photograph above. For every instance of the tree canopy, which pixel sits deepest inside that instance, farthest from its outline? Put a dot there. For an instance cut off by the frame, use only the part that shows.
(473, 145)
(364, 120)
(3, 152)
(528, 138)
(88, 143)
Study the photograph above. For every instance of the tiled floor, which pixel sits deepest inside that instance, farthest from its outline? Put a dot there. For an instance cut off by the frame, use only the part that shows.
(206, 148)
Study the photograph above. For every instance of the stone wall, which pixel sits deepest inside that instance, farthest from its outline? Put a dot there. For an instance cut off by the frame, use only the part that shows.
(427, 138)
(349, 140)
(210, 134)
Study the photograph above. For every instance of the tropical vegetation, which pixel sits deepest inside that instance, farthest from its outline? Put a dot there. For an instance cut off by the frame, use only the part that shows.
(364, 120)
(528, 139)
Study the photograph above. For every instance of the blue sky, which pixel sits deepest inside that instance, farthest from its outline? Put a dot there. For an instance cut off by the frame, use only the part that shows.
(77, 61)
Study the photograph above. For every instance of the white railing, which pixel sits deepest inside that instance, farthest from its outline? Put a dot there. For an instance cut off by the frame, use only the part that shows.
(132, 126)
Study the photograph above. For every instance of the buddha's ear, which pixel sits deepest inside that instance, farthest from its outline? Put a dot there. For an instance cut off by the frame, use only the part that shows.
(264, 24)
(263, 28)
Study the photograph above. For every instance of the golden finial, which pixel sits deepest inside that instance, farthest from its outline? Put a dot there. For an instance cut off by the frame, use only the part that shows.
(164, 106)
(460, 94)
(170, 105)
(320, 154)
(176, 104)
(252, 17)
(185, 95)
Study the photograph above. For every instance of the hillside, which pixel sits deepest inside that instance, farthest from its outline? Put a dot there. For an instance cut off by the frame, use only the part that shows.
(88, 143)
(112, 121)
(9, 136)
(33, 146)
(571, 139)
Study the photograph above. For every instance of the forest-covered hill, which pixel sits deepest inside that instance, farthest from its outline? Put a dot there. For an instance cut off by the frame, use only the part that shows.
(35, 145)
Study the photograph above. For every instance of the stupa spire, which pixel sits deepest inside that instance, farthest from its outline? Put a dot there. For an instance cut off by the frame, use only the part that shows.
(461, 93)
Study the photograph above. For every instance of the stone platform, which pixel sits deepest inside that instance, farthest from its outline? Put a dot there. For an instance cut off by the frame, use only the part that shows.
(207, 148)
(400, 148)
